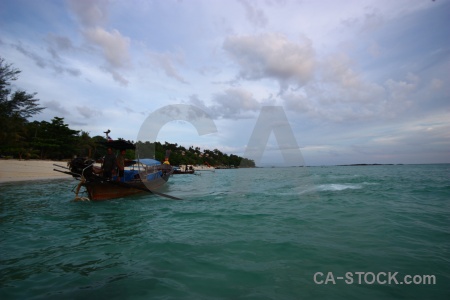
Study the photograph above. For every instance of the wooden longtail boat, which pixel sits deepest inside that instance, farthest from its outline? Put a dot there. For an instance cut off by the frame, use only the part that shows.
(140, 176)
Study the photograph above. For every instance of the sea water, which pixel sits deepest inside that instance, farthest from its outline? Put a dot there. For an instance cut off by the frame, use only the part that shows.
(341, 232)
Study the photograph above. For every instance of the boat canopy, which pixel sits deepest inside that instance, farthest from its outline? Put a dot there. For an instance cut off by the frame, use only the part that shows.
(149, 162)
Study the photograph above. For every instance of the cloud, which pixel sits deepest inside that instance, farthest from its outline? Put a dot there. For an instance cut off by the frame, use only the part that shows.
(114, 46)
(399, 93)
(90, 12)
(57, 107)
(255, 15)
(43, 63)
(436, 84)
(405, 142)
(88, 112)
(57, 44)
(298, 102)
(342, 94)
(92, 16)
(166, 62)
(233, 103)
(119, 78)
(39, 60)
(371, 19)
(338, 70)
(376, 78)
(272, 56)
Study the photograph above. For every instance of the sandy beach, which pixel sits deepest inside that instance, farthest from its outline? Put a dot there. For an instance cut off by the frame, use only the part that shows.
(22, 170)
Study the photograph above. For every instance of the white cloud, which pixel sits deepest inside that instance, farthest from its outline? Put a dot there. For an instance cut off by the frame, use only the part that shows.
(338, 70)
(114, 47)
(342, 94)
(113, 44)
(90, 12)
(166, 61)
(233, 103)
(272, 56)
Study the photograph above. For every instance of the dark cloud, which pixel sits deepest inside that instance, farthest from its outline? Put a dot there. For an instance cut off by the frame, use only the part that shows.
(43, 62)
(254, 14)
(116, 76)
(57, 107)
(40, 61)
(57, 44)
(88, 112)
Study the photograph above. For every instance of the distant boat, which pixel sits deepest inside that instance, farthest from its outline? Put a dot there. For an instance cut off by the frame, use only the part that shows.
(140, 176)
(204, 168)
(183, 169)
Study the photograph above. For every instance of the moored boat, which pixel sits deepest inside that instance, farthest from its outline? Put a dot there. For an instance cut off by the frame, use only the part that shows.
(183, 169)
(205, 167)
(139, 176)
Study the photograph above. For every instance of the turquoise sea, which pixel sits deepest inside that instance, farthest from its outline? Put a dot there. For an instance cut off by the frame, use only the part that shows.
(341, 232)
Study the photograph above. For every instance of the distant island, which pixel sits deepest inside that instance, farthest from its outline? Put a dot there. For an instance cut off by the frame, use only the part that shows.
(357, 165)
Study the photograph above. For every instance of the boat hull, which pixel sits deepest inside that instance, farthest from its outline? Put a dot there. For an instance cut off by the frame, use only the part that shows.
(183, 172)
(100, 191)
(142, 176)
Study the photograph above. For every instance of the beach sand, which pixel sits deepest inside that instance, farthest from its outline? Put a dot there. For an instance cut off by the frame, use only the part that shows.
(22, 170)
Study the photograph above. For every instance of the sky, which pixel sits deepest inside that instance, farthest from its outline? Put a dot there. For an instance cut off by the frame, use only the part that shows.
(335, 81)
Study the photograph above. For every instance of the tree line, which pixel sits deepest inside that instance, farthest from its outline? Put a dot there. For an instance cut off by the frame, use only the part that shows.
(180, 155)
(23, 139)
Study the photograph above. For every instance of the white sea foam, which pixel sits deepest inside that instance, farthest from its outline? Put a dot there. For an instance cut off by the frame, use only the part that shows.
(337, 187)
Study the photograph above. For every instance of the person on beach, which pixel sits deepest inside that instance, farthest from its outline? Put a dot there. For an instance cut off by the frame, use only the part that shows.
(109, 164)
(121, 164)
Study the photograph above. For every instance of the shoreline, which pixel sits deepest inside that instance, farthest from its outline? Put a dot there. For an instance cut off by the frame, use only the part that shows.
(15, 170)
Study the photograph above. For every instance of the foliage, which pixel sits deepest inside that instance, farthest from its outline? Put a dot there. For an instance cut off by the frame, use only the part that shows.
(15, 108)
(179, 155)
(55, 140)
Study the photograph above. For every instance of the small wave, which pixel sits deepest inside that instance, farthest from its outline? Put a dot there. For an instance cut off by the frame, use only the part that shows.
(370, 183)
(337, 187)
(326, 187)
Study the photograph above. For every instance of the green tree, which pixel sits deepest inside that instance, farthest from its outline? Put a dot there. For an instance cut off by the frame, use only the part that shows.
(54, 140)
(86, 145)
(15, 108)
